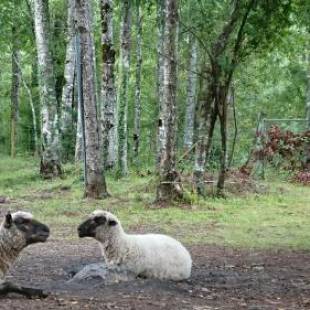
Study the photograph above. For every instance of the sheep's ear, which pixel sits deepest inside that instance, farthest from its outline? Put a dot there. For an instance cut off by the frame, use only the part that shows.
(112, 223)
(100, 220)
(8, 220)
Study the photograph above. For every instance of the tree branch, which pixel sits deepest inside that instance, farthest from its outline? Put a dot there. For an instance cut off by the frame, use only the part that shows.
(239, 40)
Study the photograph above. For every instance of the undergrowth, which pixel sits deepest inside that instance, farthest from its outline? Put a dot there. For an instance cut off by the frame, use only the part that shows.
(278, 218)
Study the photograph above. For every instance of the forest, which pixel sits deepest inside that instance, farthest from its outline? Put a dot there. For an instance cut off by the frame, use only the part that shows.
(184, 118)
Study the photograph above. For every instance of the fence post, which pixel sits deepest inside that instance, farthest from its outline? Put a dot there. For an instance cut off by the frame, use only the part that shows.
(259, 166)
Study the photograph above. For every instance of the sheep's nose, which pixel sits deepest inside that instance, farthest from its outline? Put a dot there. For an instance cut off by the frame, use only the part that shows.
(45, 229)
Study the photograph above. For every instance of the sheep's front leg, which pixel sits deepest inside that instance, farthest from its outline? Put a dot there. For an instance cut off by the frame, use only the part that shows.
(8, 287)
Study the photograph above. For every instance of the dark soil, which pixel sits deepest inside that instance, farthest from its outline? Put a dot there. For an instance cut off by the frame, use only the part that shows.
(222, 278)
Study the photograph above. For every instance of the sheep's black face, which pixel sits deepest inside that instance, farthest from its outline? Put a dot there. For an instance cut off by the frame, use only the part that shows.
(33, 230)
(88, 228)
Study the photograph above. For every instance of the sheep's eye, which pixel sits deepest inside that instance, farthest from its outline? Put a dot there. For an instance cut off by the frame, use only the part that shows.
(19, 221)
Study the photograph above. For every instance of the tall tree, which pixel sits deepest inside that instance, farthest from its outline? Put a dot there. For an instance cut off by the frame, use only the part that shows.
(137, 114)
(108, 90)
(50, 155)
(308, 93)
(15, 85)
(33, 111)
(95, 185)
(79, 135)
(67, 126)
(168, 187)
(205, 125)
(123, 91)
(191, 94)
(307, 159)
(160, 78)
(235, 41)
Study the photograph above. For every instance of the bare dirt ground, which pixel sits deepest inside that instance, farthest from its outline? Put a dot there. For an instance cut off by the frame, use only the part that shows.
(222, 278)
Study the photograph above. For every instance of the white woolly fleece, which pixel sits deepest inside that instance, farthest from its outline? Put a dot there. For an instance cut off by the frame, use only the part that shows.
(149, 255)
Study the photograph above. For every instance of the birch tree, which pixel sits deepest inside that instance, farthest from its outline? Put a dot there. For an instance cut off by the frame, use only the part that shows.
(168, 187)
(191, 95)
(108, 90)
(206, 118)
(67, 126)
(137, 115)
(15, 86)
(50, 155)
(123, 91)
(159, 79)
(95, 185)
(79, 135)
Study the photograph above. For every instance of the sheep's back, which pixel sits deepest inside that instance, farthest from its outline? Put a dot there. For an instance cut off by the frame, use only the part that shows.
(161, 256)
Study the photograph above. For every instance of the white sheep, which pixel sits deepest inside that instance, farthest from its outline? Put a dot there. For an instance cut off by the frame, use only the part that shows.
(17, 231)
(149, 255)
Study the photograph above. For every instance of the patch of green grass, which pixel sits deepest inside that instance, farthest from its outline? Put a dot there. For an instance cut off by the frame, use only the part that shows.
(277, 219)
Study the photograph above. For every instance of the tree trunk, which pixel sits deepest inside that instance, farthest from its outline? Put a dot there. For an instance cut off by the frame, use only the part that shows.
(206, 118)
(95, 186)
(108, 114)
(307, 149)
(137, 116)
(33, 101)
(169, 187)
(221, 105)
(159, 82)
(231, 103)
(34, 115)
(15, 87)
(79, 135)
(191, 95)
(50, 159)
(67, 126)
(123, 92)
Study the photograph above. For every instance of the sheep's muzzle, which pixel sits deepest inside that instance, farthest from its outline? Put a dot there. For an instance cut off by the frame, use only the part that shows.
(87, 229)
(39, 233)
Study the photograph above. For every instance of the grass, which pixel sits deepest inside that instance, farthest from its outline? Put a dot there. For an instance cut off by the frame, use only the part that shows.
(277, 219)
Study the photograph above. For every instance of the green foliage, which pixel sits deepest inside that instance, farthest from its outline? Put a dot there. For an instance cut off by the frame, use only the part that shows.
(271, 79)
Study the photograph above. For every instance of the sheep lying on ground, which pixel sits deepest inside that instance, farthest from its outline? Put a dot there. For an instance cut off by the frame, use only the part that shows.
(17, 231)
(150, 255)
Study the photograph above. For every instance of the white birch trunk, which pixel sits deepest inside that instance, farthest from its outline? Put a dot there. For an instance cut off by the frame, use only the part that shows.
(137, 114)
(95, 186)
(169, 188)
(15, 88)
(123, 92)
(50, 159)
(67, 127)
(159, 82)
(203, 120)
(108, 90)
(191, 95)
(79, 136)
